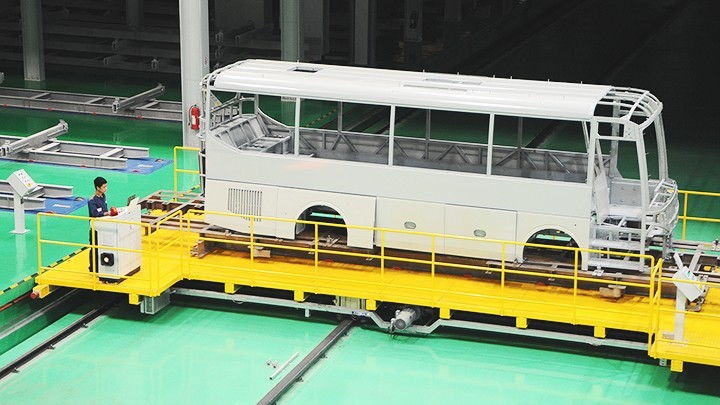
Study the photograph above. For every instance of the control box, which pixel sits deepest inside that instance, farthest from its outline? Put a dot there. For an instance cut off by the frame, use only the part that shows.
(22, 183)
(112, 233)
(691, 291)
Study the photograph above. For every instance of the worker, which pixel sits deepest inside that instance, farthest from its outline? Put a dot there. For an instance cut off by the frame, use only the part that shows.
(97, 207)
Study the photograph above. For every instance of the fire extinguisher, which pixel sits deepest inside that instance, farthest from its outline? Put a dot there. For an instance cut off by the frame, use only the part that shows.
(194, 118)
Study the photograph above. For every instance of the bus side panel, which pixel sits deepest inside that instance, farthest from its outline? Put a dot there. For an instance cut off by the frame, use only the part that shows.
(354, 209)
(411, 216)
(472, 222)
(241, 198)
(404, 183)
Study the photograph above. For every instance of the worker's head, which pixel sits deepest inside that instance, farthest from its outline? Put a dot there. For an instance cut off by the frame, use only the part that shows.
(100, 184)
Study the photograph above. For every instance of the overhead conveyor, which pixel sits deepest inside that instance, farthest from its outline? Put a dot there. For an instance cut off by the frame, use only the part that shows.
(142, 105)
(43, 147)
(36, 199)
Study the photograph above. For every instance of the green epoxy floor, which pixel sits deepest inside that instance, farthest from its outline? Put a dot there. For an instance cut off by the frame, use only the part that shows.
(192, 353)
(181, 355)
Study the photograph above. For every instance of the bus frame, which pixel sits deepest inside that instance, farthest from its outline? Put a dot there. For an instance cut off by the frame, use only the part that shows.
(254, 164)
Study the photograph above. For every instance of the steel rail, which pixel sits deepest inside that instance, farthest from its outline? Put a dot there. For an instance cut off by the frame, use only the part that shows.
(277, 391)
(50, 343)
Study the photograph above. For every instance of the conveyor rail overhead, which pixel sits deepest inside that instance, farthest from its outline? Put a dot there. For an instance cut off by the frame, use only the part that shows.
(140, 105)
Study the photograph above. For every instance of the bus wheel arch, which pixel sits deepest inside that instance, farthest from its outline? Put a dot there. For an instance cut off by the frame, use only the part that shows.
(321, 212)
(552, 235)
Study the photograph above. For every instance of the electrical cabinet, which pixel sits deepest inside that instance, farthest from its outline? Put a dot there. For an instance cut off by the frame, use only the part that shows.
(121, 231)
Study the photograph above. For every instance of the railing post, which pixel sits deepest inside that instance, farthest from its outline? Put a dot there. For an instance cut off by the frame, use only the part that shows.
(252, 249)
(685, 209)
(575, 285)
(382, 253)
(432, 257)
(39, 243)
(317, 254)
(93, 254)
(175, 174)
(503, 248)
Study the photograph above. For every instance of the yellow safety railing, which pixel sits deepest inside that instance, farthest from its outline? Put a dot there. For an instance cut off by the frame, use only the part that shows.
(688, 333)
(380, 274)
(685, 218)
(152, 269)
(576, 297)
(573, 309)
(177, 170)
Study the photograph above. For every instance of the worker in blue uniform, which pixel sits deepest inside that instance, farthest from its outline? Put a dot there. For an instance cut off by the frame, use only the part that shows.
(97, 207)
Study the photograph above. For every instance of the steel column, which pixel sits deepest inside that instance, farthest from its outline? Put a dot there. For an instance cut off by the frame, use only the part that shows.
(32, 39)
(363, 39)
(292, 38)
(194, 60)
(316, 21)
(133, 13)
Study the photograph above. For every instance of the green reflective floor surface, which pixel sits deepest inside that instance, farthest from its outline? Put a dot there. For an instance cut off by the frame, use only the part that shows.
(194, 351)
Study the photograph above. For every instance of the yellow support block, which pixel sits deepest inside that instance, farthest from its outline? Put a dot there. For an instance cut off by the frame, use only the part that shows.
(599, 332)
(230, 288)
(370, 305)
(134, 299)
(41, 291)
(299, 296)
(676, 366)
(444, 313)
(521, 323)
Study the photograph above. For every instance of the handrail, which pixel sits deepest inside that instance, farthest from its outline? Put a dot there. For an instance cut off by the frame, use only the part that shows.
(310, 280)
(92, 245)
(176, 170)
(151, 276)
(685, 218)
(574, 309)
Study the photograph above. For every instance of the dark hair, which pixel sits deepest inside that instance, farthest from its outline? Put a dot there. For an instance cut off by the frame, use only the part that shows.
(99, 181)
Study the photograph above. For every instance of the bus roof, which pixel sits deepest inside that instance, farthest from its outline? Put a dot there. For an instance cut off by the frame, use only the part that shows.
(435, 91)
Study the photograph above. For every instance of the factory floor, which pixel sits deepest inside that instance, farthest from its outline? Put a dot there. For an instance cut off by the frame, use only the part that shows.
(196, 350)
(191, 353)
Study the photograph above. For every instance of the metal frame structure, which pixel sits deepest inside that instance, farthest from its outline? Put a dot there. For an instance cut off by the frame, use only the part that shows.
(258, 166)
(36, 199)
(43, 147)
(142, 105)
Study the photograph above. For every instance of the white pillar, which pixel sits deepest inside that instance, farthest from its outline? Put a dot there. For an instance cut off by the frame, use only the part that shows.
(679, 331)
(296, 138)
(133, 13)
(413, 31)
(363, 38)
(32, 39)
(194, 59)
(317, 28)
(391, 140)
(19, 211)
(292, 40)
